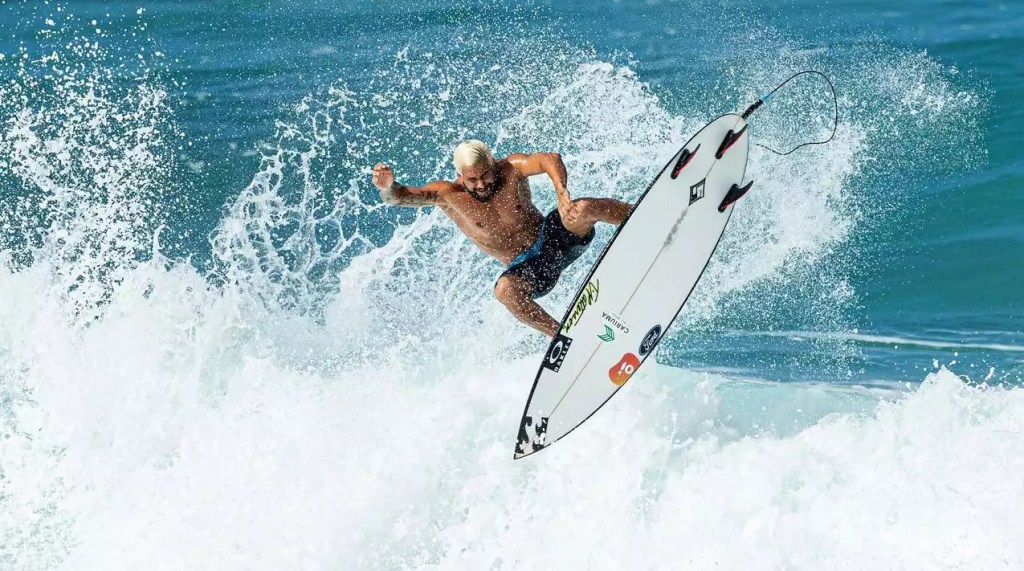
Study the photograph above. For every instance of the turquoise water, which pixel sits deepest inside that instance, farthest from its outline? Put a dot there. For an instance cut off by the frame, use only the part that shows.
(218, 350)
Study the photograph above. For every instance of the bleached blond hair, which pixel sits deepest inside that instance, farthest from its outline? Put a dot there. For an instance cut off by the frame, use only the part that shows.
(472, 153)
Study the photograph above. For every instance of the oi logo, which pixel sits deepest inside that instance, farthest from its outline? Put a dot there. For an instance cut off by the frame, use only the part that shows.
(624, 369)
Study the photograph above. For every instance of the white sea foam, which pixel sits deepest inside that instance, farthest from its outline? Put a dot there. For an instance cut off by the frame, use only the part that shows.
(170, 436)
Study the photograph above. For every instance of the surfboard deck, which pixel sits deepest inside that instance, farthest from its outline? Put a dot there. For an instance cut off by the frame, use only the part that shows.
(638, 285)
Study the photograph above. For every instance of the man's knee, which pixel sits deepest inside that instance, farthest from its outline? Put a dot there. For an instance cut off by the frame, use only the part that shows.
(501, 288)
(584, 207)
(508, 290)
(602, 209)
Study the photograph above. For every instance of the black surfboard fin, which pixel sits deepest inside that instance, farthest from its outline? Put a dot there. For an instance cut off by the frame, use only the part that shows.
(735, 193)
(684, 159)
(730, 138)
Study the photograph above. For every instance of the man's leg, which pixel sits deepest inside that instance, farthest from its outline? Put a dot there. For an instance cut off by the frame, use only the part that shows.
(514, 293)
(582, 213)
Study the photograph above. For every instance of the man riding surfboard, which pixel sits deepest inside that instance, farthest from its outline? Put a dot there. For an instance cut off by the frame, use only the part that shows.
(490, 202)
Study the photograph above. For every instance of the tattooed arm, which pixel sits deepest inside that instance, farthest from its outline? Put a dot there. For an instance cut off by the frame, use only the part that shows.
(395, 194)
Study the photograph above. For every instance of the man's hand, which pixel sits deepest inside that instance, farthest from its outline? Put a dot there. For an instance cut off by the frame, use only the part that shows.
(568, 210)
(562, 193)
(564, 201)
(397, 194)
(383, 177)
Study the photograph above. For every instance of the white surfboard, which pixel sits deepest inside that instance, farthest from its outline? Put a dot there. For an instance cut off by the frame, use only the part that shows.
(638, 285)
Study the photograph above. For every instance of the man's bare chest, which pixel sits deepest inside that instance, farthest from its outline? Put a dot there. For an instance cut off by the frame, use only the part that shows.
(508, 208)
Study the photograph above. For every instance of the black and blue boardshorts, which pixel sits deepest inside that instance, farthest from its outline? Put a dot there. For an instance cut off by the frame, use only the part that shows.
(554, 250)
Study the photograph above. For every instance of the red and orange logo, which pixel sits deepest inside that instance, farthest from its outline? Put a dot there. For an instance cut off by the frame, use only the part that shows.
(624, 369)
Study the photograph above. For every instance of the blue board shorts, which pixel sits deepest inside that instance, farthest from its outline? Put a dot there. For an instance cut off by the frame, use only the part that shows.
(554, 250)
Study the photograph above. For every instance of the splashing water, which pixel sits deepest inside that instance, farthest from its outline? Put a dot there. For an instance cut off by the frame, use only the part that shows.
(339, 390)
(87, 160)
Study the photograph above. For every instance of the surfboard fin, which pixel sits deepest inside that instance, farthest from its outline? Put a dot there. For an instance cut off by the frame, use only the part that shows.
(735, 193)
(684, 159)
(730, 138)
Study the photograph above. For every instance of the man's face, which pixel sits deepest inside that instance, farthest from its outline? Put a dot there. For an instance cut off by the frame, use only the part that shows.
(478, 178)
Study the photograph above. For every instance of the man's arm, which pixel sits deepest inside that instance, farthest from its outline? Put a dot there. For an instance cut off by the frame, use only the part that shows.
(397, 194)
(544, 163)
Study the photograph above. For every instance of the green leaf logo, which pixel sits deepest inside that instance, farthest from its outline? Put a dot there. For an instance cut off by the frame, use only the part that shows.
(609, 335)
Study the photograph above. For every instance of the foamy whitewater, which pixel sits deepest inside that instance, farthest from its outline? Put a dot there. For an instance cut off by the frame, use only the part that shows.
(323, 382)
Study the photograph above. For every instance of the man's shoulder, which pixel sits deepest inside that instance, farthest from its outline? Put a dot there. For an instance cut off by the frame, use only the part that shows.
(442, 186)
(532, 163)
(513, 163)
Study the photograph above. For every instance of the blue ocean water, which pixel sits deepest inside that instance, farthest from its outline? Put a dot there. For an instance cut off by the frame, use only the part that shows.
(219, 350)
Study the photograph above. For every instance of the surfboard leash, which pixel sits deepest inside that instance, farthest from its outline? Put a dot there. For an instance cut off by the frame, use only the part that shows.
(835, 100)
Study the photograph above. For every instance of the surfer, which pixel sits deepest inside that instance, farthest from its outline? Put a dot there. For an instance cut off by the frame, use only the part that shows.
(490, 202)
